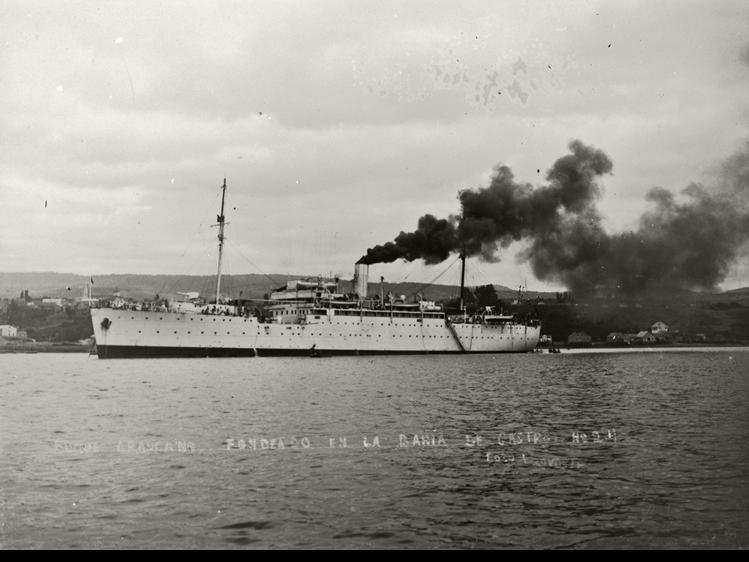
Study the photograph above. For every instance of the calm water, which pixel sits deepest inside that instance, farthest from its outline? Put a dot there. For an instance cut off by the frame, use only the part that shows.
(158, 453)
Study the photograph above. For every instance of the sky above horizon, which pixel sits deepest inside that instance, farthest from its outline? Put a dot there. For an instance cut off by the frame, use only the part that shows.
(337, 124)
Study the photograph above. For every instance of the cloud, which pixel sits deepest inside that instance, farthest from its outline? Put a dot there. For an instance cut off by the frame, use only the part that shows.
(339, 118)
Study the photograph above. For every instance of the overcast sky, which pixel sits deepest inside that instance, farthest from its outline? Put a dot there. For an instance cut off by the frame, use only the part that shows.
(338, 124)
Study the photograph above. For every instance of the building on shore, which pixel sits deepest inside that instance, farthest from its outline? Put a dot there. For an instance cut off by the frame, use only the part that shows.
(8, 331)
(659, 328)
(644, 337)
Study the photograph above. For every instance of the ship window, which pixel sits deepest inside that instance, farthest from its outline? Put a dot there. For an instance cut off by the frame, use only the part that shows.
(146, 317)
(189, 332)
(202, 332)
(139, 331)
(157, 331)
(175, 331)
(215, 333)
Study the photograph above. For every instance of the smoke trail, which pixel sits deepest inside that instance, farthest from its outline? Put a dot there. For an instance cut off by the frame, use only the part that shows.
(690, 243)
(502, 212)
(678, 245)
(505, 210)
(432, 241)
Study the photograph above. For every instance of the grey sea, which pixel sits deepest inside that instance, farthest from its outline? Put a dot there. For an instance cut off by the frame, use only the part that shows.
(568, 451)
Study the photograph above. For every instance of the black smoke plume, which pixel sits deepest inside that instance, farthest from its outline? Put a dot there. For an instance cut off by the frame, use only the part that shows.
(433, 241)
(689, 244)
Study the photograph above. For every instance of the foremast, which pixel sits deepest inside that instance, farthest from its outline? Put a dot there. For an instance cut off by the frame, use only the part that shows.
(221, 223)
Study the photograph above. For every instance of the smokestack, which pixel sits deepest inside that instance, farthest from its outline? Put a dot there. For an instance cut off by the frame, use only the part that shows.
(361, 279)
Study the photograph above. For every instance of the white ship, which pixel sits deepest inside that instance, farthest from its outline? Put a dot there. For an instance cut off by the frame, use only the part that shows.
(310, 318)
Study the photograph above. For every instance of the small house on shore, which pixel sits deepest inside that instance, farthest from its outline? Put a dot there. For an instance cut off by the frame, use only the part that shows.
(644, 337)
(659, 328)
(8, 331)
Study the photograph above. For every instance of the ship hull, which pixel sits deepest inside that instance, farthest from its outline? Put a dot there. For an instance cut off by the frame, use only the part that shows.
(131, 334)
(349, 352)
(143, 352)
(149, 352)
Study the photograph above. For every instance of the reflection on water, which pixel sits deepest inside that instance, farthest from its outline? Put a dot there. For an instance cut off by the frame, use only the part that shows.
(542, 451)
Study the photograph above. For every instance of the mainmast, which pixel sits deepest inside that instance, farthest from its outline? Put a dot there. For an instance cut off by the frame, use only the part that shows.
(462, 280)
(221, 222)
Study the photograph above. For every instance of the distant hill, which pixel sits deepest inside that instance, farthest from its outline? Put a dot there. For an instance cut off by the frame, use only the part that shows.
(743, 291)
(137, 286)
(39, 284)
(252, 286)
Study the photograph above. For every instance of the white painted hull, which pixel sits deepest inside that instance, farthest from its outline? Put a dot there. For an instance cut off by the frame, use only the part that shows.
(150, 334)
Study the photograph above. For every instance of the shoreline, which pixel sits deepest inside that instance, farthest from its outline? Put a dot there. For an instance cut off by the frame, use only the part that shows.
(649, 349)
(45, 347)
